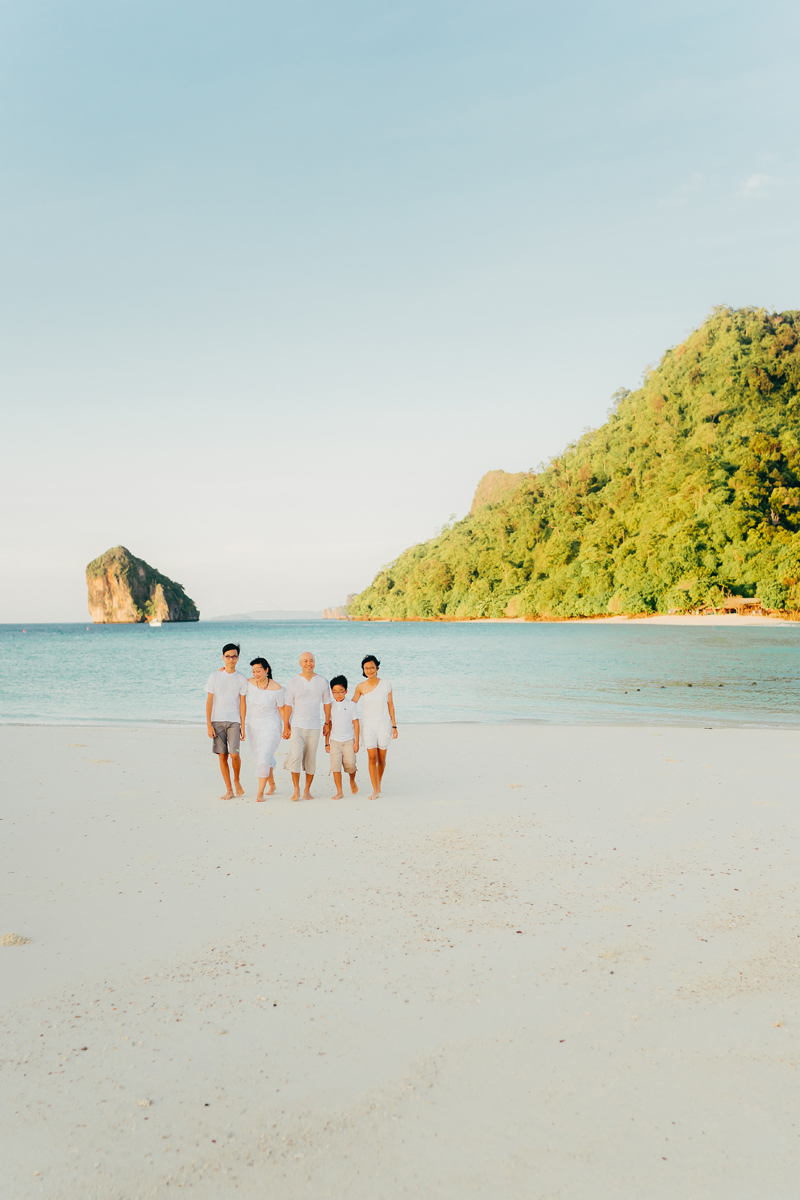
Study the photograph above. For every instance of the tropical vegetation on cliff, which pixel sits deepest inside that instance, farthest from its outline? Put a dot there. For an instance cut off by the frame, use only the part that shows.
(124, 589)
(688, 492)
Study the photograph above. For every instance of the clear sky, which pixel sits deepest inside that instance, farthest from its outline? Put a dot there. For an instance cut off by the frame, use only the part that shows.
(281, 281)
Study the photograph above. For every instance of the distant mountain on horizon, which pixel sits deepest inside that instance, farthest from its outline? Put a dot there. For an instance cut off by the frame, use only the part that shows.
(273, 614)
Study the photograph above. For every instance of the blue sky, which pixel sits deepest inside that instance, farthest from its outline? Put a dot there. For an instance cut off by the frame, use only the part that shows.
(282, 281)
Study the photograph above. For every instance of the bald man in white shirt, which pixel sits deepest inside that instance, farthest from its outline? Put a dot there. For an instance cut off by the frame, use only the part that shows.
(304, 694)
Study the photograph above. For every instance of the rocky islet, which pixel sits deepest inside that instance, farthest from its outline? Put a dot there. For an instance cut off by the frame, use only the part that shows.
(124, 589)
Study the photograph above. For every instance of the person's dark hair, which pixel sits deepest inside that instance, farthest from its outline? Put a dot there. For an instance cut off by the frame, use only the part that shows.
(262, 662)
(369, 658)
(231, 646)
(338, 681)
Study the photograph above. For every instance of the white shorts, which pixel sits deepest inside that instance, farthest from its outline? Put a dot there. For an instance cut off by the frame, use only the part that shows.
(377, 738)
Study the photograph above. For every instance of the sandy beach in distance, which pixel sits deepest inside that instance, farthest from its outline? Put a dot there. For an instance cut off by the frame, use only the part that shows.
(550, 962)
(730, 620)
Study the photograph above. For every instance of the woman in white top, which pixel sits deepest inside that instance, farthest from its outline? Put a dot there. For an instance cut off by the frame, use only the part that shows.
(378, 722)
(266, 704)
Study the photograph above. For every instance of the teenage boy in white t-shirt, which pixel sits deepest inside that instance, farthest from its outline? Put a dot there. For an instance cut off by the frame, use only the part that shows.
(225, 713)
(341, 742)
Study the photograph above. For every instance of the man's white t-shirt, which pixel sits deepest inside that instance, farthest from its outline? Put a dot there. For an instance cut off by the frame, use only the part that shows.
(343, 713)
(305, 697)
(226, 688)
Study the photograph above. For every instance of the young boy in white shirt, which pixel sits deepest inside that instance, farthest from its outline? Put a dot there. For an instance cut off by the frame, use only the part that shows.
(225, 714)
(341, 741)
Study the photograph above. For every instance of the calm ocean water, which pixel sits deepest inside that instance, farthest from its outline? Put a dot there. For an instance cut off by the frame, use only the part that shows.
(560, 673)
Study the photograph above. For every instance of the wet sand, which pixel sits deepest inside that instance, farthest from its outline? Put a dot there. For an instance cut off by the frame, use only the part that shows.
(549, 962)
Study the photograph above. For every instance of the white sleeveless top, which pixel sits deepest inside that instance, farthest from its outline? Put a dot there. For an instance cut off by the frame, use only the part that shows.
(375, 706)
(263, 703)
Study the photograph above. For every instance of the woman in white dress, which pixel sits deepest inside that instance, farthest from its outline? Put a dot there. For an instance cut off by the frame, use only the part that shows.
(266, 706)
(378, 722)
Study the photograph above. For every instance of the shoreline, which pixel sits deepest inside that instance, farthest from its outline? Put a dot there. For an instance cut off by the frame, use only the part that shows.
(198, 726)
(654, 619)
(649, 618)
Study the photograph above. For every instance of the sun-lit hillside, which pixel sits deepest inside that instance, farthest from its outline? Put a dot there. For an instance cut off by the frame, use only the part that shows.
(691, 489)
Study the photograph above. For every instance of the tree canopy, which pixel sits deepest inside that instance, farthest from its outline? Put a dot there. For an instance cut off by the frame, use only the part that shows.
(689, 491)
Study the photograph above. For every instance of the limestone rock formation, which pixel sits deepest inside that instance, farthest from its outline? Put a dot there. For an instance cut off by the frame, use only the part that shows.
(496, 486)
(124, 590)
(339, 612)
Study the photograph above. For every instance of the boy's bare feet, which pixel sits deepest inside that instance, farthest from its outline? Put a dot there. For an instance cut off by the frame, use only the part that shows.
(227, 796)
(295, 796)
(307, 796)
(338, 796)
(374, 795)
(239, 790)
(353, 785)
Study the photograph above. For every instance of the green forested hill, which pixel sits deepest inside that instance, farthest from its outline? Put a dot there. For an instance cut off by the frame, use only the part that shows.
(690, 490)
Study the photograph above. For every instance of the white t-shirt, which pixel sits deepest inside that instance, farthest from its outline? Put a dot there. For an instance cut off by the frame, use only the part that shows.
(226, 688)
(305, 697)
(343, 713)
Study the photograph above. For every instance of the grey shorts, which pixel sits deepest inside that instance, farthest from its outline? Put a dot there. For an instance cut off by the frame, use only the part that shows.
(227, 737)
(303, 751)
(342, 752)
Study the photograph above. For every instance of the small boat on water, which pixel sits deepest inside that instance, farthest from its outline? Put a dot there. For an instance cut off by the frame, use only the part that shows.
(155, 623)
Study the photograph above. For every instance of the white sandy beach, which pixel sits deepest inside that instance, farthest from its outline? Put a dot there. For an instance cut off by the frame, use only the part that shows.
(548, 963)
(731, 620)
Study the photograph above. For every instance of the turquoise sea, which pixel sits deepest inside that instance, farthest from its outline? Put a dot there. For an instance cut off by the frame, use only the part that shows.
(546, 673)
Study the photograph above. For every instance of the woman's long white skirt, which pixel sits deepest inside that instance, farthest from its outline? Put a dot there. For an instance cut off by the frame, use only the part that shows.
(264, 737)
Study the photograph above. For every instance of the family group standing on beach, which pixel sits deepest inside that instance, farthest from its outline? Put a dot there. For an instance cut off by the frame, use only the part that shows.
(262, 710)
